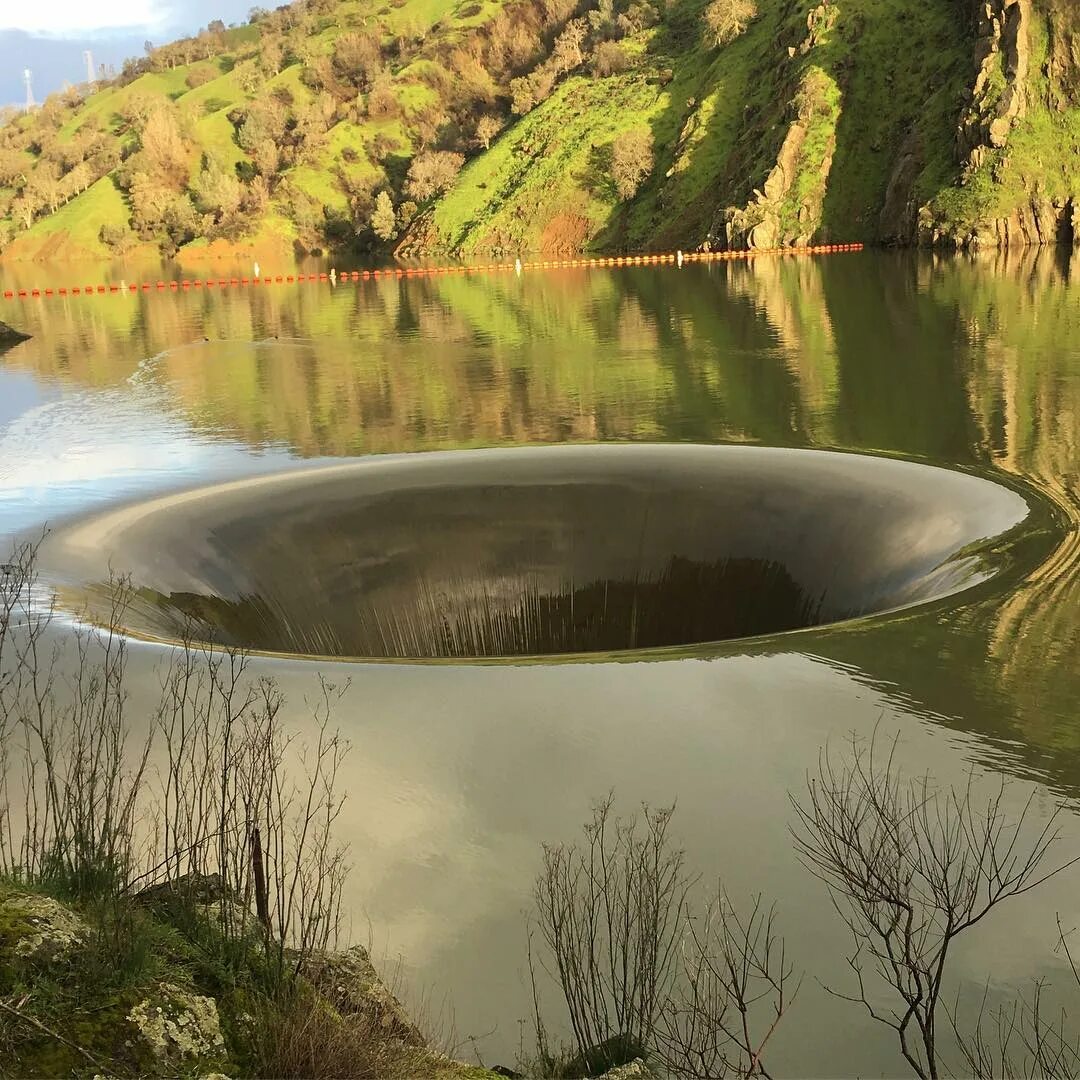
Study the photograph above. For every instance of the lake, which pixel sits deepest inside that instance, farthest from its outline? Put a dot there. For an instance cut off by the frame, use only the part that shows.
(459, 771)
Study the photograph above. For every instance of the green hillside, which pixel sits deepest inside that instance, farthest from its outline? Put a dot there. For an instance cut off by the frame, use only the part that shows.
(490, 127)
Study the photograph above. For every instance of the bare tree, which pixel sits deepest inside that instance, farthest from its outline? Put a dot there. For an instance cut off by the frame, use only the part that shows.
(910, 868)
(611, 914)
(1026, 1036)
(731, 993)
(243, 800)
(239, 796)
(1020, 1038)
(66, 718)
(727, 19)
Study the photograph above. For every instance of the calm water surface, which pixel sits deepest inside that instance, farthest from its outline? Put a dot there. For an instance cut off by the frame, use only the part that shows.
(457, 772)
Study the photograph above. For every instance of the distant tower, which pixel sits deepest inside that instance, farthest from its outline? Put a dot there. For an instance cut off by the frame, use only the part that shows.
(29, 89)
(88, 57)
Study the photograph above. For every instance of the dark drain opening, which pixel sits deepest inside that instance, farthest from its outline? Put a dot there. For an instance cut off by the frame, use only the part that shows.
(690, 602)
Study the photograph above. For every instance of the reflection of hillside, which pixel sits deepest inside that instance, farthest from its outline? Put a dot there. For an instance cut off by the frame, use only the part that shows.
(997, 373)
(789, 295)
(1023, 319)
(456, 361)
(956, 361)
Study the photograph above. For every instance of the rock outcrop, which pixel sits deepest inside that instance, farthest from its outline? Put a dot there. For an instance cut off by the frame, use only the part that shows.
(176, 1018)
(999, 94)
(758, 225)
(899, 218)
(1019, 210)
(1062, 67)
(786, 210)
(179, 1028)
(39, 928)
(10, 336)
(350, 982)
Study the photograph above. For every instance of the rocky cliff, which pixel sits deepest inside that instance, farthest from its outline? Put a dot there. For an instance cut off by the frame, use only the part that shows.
(1006, 177)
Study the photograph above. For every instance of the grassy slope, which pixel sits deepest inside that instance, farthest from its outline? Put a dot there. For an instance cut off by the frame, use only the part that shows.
(1042, 157)
(72, 232)
(550, 164)
(208, 106)
(891, 66)
(893, 70)
(883, 100)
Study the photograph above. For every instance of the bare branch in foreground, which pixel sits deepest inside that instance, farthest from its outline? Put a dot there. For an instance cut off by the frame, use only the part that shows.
(910, 867)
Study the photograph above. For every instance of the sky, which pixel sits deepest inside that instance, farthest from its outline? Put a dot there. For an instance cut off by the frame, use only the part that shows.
(49, 37)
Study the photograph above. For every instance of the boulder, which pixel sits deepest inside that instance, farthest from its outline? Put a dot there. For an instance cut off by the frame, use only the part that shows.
(206, 896)
(192, 888)
(606, 1058)
(348, 980)
(179, 1028)
(632, 1070)
(10, 336)
(39, 928)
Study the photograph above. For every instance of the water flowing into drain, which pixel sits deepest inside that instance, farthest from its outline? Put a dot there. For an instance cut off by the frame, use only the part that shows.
(544, 551)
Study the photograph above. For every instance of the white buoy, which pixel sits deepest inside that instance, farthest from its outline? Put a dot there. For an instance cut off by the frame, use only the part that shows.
(257, 268)
(678, 257)
(517, 267)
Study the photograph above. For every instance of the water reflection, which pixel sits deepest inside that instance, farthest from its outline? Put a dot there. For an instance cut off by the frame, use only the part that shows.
(971, 364)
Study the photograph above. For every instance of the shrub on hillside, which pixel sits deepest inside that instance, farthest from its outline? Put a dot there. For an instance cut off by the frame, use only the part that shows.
(382, 145)
(609, 59)
(117, 238)
(357, 58)
(487, 127)
(383, 219)
(527, 92)
(727, 19)
(631, 160)
(639, 16)
(431, 173)
(382, 102)
(200, 76)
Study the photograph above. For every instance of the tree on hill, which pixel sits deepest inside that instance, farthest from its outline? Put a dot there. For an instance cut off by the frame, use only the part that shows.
(631, 160)
(727, 19)
(383, 219)
(13, 168)
(609, 59)
(163, 150)
(217, 190)
(357, 58)
(487, 128)
(432, 172)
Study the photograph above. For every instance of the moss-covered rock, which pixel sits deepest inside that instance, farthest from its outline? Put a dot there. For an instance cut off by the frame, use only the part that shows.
(350, 982)
(179, 1027)
(632, 1070)
(39, 928)
(187, 1000)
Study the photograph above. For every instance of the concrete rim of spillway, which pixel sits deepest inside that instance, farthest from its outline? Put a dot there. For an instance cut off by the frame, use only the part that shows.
(484, 555)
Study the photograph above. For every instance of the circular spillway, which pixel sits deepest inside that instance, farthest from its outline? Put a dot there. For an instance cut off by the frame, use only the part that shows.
(540, 551)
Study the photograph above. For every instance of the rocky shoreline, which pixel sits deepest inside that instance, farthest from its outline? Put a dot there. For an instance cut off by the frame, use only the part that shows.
(182, 1020)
